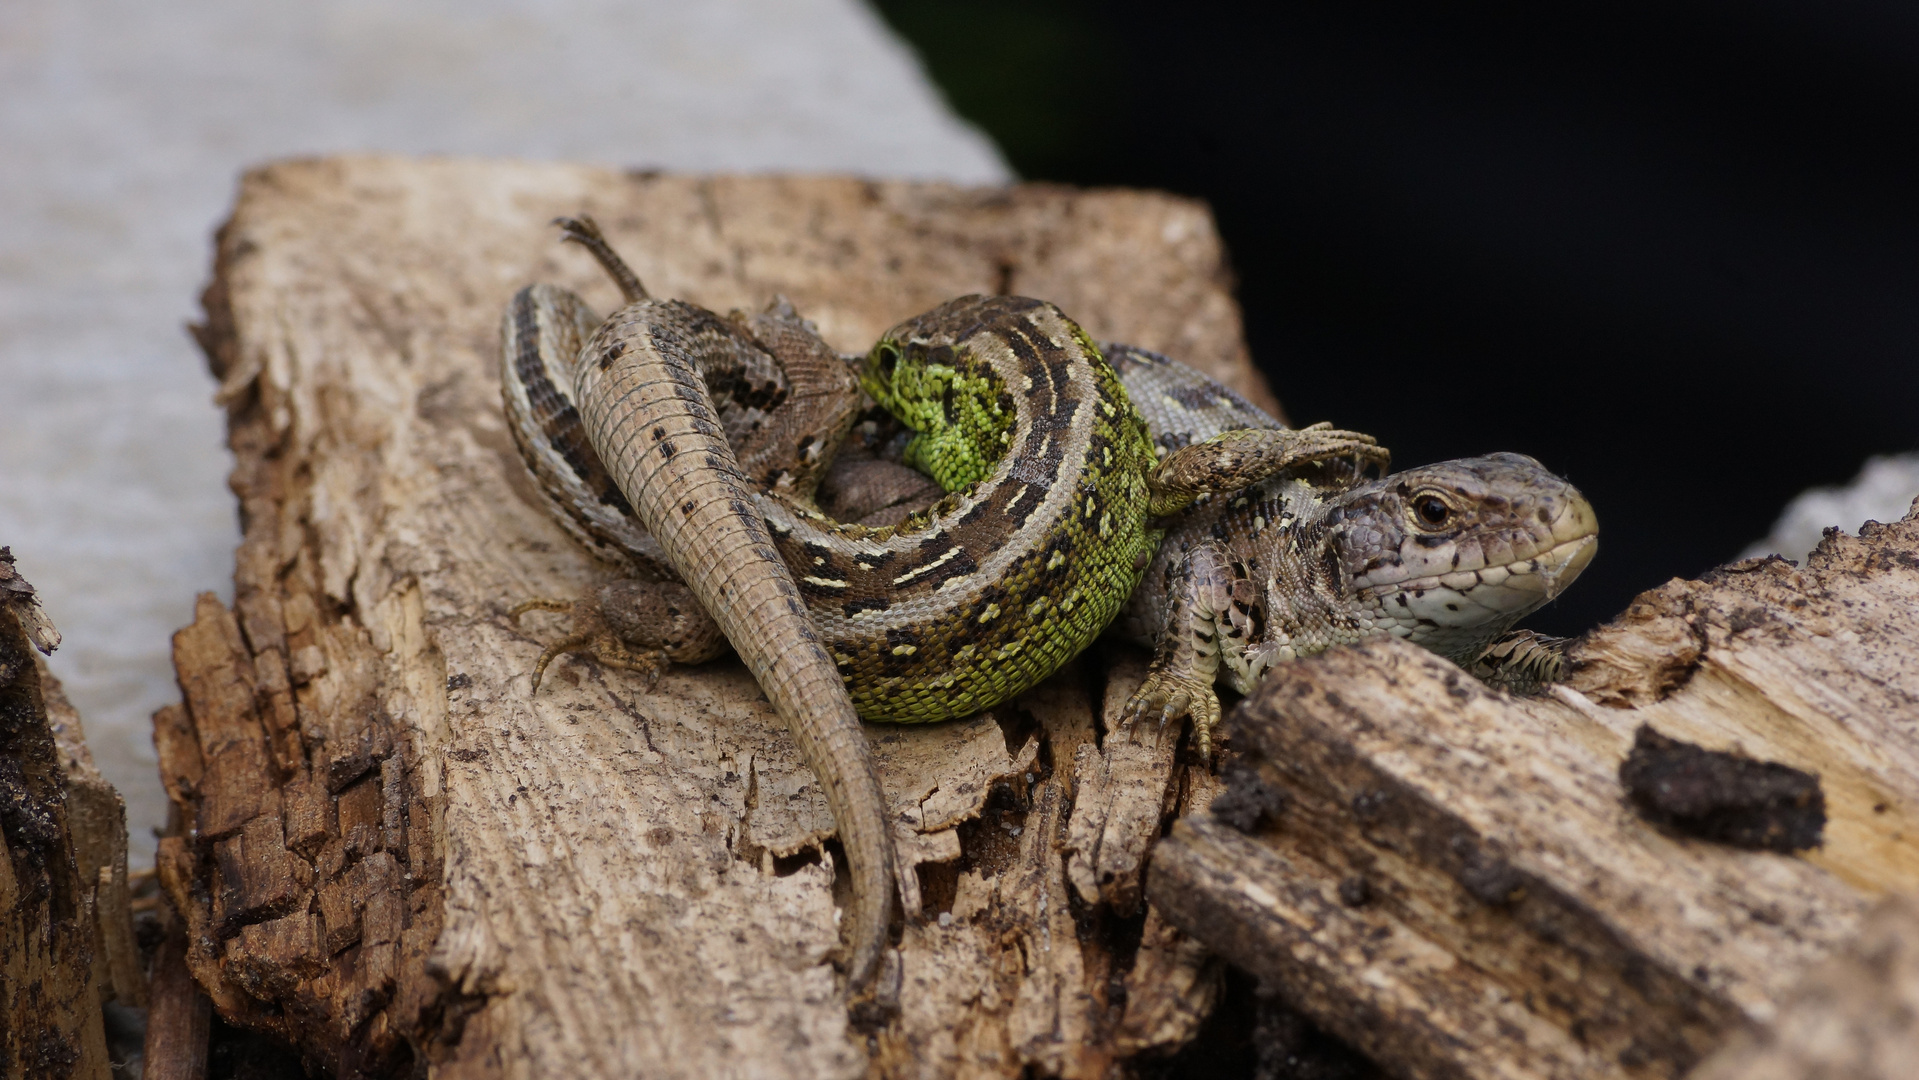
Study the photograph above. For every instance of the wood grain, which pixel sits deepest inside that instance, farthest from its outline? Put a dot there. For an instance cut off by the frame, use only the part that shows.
(1850, 1018)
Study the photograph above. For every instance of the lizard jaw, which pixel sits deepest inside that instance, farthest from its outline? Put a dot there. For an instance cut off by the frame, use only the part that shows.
(1455, 617)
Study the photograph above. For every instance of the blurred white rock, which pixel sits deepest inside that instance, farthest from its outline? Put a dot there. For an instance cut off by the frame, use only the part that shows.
(1883, 491)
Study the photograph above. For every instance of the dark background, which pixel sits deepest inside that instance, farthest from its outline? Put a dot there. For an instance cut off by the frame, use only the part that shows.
(1670, 250)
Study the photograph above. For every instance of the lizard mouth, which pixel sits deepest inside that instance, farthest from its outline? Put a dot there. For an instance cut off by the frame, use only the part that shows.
(1516, 587)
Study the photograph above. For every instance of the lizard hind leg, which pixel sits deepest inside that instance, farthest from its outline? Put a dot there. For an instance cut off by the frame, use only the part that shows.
(585, 232)
(631, 625)
(1171, 694)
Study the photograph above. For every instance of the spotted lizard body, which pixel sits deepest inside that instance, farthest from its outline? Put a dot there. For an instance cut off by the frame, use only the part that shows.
(1449, 556)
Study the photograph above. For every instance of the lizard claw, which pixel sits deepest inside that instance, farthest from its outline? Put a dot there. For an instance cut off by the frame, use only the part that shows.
(1174, 695)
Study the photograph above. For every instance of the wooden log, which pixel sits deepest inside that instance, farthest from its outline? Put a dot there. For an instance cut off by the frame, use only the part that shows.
(1454, 880)
(66, 940)
(1850, 1018)
(396, 855)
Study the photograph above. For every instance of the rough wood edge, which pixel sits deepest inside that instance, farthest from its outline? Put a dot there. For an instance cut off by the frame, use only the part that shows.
(51, 987)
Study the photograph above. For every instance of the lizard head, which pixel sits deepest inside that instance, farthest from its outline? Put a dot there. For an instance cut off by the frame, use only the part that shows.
(935, 374)
(1451, 555)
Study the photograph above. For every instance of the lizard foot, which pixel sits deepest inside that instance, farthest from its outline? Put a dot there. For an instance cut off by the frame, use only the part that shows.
(591, 634)
(1170, 695)
(1521, 663)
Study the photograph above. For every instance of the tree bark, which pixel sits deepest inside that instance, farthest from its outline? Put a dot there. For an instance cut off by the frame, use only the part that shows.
(395, 854)
(1455, 881)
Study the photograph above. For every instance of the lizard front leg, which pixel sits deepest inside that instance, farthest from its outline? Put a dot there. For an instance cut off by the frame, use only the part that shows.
(1233, 460)
(1522, 662)
(1211, 601)
(1200, 626)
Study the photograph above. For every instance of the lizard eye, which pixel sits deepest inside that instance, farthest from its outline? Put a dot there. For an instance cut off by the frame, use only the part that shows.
(1431, 510)
(886, 357)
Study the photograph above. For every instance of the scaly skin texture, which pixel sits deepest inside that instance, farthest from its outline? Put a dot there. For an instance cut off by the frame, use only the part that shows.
(643, 405)
(1044, 532)
(952, 610)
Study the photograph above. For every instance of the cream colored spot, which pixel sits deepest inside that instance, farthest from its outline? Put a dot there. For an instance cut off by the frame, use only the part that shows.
(905, 650)
(991, 613)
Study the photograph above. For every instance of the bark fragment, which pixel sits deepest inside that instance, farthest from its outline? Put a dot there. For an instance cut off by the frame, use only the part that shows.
(66, 932)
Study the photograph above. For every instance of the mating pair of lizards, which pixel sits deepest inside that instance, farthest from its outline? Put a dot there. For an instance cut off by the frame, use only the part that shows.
(1077, 486)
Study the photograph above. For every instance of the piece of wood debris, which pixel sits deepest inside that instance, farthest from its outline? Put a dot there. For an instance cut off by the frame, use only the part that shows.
(66, 931)
(394, 854)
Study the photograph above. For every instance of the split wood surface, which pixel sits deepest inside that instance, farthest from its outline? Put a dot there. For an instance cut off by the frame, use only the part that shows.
(395, 849)
(1452, 880)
